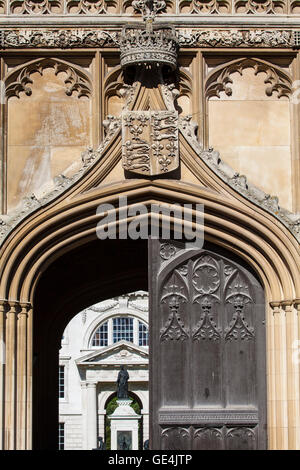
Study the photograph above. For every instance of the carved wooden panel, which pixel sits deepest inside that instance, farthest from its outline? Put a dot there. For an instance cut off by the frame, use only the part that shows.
(207, 350)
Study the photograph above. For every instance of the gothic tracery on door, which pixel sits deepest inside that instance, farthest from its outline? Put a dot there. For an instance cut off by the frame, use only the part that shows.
(207, 352)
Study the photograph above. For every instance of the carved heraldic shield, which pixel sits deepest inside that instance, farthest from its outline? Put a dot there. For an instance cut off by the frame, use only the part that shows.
(150, 141)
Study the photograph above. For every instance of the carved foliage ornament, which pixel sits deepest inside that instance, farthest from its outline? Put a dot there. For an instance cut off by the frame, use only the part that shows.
(53, 38)
(75, 79)
(150, 141)
(236, 38)
(219, 80)
(73, 38)
(149, 8)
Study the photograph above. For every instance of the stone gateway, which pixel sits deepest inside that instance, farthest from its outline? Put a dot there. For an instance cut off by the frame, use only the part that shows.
(161, 104)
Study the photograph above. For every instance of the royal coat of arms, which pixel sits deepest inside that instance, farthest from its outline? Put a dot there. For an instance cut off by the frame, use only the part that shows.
(150, 141)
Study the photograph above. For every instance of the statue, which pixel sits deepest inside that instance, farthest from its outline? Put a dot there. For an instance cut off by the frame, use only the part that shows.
(101, 444)
(146, 444)
(123, 376)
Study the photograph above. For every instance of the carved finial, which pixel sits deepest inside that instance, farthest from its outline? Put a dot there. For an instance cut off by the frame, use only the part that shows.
(149, 9)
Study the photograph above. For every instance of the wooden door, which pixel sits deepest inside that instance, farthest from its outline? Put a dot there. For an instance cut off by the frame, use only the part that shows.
(207, 350)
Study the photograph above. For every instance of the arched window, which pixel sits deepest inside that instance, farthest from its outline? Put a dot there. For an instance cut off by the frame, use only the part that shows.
(143, 334)
(100, 337)
(120, 328)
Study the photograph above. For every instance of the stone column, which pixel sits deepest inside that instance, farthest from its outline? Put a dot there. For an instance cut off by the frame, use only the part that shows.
(10, 377)
(280, 374)
(271, 377)
(21, 399)
(2, 369)
(84, 415)
(296, 359)
(145, 426)
(91, 415)
(29, 374)
(292, 374)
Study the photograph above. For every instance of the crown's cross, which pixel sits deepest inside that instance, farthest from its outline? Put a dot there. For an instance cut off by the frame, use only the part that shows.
(149, 9)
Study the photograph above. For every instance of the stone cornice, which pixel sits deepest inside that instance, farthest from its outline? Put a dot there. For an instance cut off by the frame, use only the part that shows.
(179, 20)
(55, 37)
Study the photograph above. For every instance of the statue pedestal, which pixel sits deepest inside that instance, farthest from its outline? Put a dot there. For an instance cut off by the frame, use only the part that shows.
(124, 426)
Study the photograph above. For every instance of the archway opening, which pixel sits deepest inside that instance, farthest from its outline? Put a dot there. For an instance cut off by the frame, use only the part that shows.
(102, 270)
(95, 344)
(88, 274)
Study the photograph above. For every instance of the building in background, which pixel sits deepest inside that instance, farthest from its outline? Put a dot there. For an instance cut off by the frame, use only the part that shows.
(96, 342)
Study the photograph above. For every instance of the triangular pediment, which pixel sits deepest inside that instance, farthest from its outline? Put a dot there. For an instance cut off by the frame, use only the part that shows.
(122, 352)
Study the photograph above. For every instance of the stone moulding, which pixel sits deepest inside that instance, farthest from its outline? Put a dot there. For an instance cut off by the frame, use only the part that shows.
(57, 38)
(17, 38)
(239, 182)
(236, 38)
(211, 157)
(211, 416)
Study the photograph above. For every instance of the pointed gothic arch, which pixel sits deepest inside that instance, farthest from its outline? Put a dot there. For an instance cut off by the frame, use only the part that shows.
(78, 79)
(277, 80)
(64, 229)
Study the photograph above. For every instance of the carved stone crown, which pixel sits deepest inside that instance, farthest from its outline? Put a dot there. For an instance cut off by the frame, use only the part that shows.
(156, 45)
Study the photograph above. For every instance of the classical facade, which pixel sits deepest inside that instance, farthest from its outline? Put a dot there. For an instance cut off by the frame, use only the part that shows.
(112, 110)
(95, 343)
